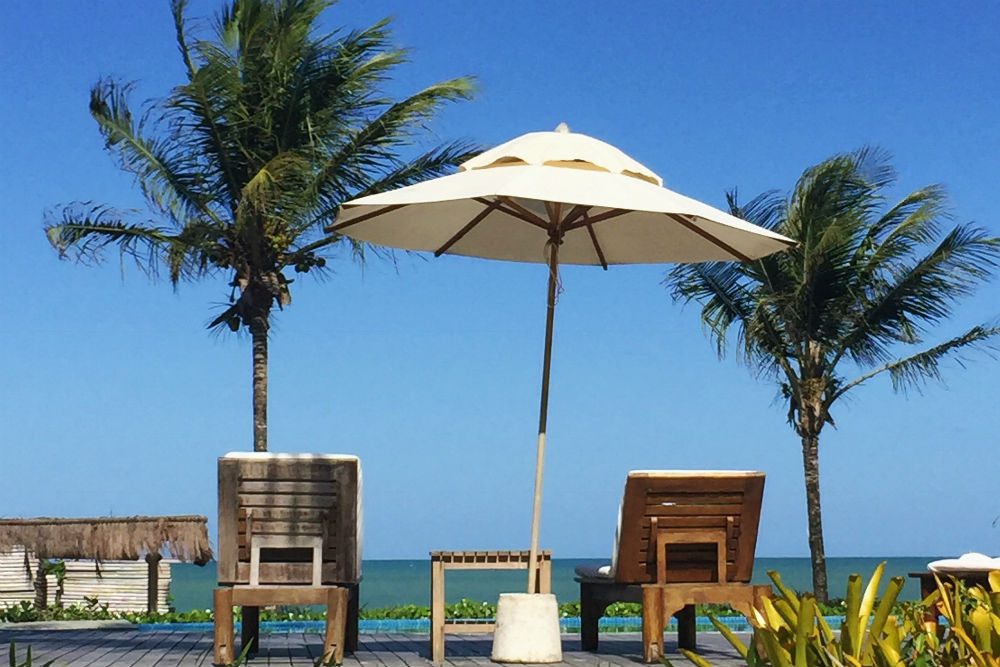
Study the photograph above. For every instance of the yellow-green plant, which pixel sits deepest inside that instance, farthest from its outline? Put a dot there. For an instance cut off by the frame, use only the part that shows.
(972, 633)
(789, 631)
(12, 658)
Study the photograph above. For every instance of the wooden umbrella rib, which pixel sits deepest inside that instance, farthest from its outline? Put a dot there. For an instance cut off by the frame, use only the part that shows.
(600, 217)
(490, 207)
(553, 215)
(574, 215)
(511, 212)
(362, 218)
(687, 223)
(597, 246)
(525, 213)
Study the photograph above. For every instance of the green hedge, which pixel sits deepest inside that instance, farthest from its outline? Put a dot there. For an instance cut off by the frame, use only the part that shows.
(94, 611)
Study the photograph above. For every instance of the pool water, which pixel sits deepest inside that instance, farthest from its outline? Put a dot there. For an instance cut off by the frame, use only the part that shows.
(423, 625)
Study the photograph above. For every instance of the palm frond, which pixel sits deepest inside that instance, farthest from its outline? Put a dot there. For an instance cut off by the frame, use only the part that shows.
(85, 229)
(864, 280)
(160, 171)
(718, 287)
(903, 302)
(765, 210)
(914, 371)
(371, 152)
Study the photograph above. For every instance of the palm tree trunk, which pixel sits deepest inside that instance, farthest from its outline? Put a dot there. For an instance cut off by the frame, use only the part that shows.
(258, 335)
(41, 585)
(810, 463)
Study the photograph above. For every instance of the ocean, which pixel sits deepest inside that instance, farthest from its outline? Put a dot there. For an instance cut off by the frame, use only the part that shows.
(398, 582)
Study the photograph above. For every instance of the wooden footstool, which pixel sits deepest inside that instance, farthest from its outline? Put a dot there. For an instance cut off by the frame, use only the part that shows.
(475, 560)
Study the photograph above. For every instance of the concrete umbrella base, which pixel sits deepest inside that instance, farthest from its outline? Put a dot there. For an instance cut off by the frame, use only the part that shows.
(527, 629)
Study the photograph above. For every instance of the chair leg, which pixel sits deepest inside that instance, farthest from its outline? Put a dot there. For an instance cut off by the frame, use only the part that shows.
(222, 603)
(351, 630)
(336, 617)
(687, 629)
(250, 631)
(591, 611)
(653, 623)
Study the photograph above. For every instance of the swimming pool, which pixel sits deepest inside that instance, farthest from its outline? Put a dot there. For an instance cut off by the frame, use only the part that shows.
(423, 625)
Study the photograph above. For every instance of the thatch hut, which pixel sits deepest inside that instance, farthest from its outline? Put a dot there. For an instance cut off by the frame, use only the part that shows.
(184, 538)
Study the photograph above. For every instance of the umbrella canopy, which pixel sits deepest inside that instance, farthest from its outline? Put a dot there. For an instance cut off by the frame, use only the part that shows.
(554, 197)
(503, 203)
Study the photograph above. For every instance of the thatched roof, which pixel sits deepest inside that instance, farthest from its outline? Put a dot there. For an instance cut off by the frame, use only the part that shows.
(110, 538)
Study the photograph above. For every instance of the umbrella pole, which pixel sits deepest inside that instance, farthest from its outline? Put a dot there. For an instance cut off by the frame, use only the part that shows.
(543, 415)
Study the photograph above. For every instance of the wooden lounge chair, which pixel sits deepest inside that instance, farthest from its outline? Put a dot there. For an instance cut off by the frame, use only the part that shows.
(289, 533)
(684, 537)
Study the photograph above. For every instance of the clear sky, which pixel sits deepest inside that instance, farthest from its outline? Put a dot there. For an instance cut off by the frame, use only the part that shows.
(114, 397)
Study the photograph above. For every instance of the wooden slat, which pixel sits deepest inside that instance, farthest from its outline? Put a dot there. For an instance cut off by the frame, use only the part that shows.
(687, 498)
(688, 522)
(476, 628)
(228, 514)
(693, 510)
(282, 528)
(494, 565)
(260, 596)
(292, 497)
(753, 496)
(696, 501)
(293, 470)
(695, 484)
(261, 500)
(288, 573)
(287, 514)
(319, 487)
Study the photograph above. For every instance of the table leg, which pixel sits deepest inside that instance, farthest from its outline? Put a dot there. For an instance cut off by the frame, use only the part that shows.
(437, 612)
(545, 576)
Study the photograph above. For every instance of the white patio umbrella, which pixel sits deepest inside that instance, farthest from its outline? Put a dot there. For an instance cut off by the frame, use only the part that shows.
(553, 197)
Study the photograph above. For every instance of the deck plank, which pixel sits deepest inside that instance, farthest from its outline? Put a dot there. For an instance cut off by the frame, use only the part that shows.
(132, 648)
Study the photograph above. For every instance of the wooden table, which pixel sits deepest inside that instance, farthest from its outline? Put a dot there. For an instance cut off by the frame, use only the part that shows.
(475, 560)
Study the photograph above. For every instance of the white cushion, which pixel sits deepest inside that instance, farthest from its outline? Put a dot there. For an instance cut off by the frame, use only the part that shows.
(966, 562)
(289, 455)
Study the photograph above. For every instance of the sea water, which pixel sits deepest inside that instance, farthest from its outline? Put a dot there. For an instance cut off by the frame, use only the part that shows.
(399, 582)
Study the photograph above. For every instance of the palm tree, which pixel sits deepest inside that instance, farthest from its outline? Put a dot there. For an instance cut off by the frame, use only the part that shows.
(865, 281)
(243, 163)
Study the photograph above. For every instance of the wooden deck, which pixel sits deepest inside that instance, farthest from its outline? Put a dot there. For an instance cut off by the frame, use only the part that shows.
(130, 648)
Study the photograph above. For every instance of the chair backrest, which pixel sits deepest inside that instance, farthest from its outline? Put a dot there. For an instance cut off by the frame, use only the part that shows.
(285, 500)
(688, 515)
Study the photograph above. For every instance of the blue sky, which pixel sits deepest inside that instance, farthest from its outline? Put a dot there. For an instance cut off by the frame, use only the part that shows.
(114, 397)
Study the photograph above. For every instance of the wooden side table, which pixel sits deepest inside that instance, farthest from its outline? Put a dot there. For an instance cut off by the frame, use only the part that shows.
(475, 560)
